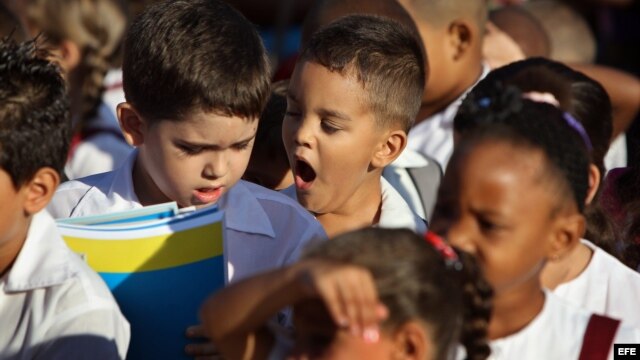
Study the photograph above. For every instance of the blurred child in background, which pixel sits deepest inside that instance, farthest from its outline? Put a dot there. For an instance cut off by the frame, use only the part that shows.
(85, 37)
(452, 32)
(352, 299)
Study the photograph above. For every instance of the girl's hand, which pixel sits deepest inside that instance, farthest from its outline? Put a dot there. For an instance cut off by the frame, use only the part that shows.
(348, 292)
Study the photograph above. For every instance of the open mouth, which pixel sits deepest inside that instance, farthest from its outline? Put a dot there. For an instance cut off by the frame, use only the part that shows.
(207, 195)
(305, 175)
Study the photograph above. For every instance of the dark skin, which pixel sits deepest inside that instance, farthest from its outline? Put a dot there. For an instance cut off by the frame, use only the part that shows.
(496, 204)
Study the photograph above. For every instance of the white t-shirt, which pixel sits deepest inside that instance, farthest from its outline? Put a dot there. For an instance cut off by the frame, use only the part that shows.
(53, 306)
(433, 137)
(264, 229)
(605, 287)
(394, 212)
(103, 151)
(556, 333)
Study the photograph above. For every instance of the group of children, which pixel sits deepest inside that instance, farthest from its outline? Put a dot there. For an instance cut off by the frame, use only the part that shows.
(338, 263)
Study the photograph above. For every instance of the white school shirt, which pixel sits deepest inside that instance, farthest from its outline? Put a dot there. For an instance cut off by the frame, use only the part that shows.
(53, 306)
(616, 156)
(394, 211)
(556, 333)
(433, 137)
(100, 152)
(264, 229)
(397, 175)
(605, 287)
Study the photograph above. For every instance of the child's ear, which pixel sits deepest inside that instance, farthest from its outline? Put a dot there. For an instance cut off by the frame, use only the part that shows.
(411, 341)
(40, 189)
(461, 38)
(568, 229)
(392, 144)
(594, 183)
(132, 124)
(68, 55)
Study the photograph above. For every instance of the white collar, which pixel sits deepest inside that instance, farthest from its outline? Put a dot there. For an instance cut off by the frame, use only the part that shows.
(44, 259)
(395, 213)
(410, 159)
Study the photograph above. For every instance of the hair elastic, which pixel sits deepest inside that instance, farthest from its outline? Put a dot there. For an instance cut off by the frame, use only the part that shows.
(577, 126)
(548, 98)
(450, 257)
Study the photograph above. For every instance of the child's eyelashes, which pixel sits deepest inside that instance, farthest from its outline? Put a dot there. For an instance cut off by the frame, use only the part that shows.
(190, 150)
(328, 127)
(241, 146)
(488, 225)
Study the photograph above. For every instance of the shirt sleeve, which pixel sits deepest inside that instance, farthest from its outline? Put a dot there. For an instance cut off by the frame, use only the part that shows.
(101, 333)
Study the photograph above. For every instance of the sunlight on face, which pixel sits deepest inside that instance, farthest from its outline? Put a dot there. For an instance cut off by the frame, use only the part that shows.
(330, 135)
(196, 160)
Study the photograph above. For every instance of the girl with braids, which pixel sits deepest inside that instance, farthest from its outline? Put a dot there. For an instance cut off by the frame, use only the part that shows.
(587, 276)
(368, 294)
(85, 38)
(514, 196)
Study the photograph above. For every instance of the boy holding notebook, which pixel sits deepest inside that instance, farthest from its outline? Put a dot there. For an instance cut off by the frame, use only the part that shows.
(52, 305)
(196, 79)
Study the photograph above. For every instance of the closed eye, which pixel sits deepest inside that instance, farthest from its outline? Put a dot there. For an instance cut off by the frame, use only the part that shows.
(328, 127)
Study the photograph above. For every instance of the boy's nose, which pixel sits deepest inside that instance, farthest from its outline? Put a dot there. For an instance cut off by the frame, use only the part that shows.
(303, 135)
(216, 167)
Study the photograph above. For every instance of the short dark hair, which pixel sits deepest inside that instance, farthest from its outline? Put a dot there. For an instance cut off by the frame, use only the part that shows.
(34, 112)
(385, 57)
(182, 56)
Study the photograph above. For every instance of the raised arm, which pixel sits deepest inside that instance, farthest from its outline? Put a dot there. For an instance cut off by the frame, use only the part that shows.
(235, 318)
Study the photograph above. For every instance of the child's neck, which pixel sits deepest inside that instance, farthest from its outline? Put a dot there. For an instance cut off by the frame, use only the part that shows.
(9, 249)
(567, 268)
(428, 109)
(363, 209)
(513, 310)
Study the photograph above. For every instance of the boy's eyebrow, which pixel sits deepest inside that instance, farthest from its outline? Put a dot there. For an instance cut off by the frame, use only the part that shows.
(333, 114)
(206, 146)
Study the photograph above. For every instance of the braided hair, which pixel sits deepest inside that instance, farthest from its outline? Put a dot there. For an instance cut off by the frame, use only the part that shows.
(588, 102)
(97, 27)
(414, 281)
(499, 112)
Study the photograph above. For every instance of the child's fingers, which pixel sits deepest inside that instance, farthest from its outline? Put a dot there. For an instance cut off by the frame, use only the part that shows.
(368, 308)
(333, 302)
(196, 331)
(350, 302)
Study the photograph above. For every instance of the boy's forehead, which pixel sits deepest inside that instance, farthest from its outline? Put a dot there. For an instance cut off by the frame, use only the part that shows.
(309, 73)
